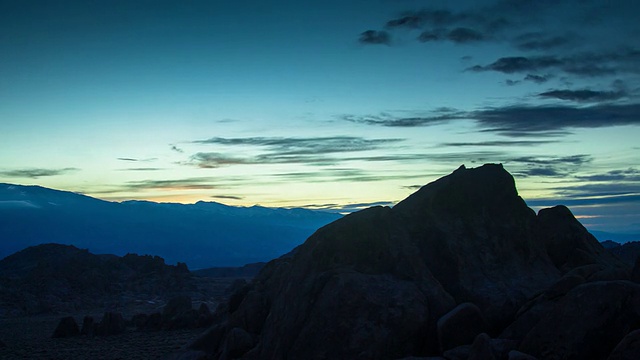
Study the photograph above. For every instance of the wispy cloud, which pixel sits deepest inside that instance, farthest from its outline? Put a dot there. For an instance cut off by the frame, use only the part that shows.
(130, 159)
(522, 120)
(584, 95)
(287, 150)
(142, 169)
(34, 173)
(589, 64)
(498, 143)
(374, 37)
(227, 197)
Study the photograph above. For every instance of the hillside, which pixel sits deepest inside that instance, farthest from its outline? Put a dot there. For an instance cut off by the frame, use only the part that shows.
(202, 235)
(462, 269)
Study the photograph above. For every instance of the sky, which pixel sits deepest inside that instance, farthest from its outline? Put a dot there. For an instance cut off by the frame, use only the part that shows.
(323, 104)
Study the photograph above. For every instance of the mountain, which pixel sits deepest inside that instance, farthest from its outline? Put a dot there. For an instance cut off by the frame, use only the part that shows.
(462, 269)
(203, 235)
(52, 278)
(627, 252)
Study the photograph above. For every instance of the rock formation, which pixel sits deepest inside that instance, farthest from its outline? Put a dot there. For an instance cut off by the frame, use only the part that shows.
(376, 283)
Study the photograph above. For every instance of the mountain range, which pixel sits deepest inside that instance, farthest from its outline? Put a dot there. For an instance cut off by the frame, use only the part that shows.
(202, 235)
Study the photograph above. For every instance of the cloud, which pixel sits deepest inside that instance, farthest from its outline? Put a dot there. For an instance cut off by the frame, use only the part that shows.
(463, 35)
(142, 169)
(547, 166)
(176, 149)
(540, 41)
(227, 197)
(515, 64)
(499, 143)
(524, 120)
(137, 160)
(538, 79)
(521, 120)
(34, 173)
(205, 183)
(214, 160)
(630, 174)
(588, 64)
(437, 117)
(347, 208)
(583, 95)
(374, 37)
(287, 150)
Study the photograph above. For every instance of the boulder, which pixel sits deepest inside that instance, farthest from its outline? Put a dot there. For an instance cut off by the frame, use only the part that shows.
(481, 348)
(517, 355)
(88, 326)
(588, 322)
(111, 324)
(628, 348)
(153, 322)
(67, 327)
(460, 326)
(175, 306)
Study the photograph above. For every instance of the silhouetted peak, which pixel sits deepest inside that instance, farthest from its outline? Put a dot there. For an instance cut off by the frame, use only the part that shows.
(465, 189)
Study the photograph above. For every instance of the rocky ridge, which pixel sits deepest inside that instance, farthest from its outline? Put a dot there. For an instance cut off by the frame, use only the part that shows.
(387, 283)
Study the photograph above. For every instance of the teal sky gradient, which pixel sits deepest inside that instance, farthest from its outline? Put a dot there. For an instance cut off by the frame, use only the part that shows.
(323, 104)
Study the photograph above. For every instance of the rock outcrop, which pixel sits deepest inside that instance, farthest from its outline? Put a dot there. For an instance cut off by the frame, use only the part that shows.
(376, 283)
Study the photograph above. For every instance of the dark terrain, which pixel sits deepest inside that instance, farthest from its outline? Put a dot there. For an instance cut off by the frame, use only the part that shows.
(461, 269)
(42, 284)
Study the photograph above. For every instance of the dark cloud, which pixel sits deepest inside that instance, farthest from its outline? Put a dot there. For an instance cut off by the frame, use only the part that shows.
(142, 169)
(422, 18)
(584, 64)
(176, 149)
(178, 184)
(35, 173)
(545, 166)
(430, 35)
(587, 201)
(538, 79)
(227, 197)
(522, 120)
(463, 35)
(439, 116)
(573, 159)
(540, 41)
(304, 146)
(499, 143)
(630, 174)
(374, 37)
(509, 82)
(583, 95)
(212, 160)
(137, 160)
(516, 64)
(318, 151)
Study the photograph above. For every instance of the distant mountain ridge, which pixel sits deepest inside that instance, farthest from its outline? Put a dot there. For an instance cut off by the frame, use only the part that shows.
(204, 234)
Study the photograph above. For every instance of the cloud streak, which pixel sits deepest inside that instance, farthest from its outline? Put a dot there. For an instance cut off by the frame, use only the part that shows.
(34, 173)
(521, 120)
(287, 150)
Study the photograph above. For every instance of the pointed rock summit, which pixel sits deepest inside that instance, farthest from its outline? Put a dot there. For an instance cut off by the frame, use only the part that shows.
(382, 283)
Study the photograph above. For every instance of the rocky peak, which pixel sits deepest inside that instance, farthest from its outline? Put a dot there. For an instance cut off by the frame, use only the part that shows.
(375, 283)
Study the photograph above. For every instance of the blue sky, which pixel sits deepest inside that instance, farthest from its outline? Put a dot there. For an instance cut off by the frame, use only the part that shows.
(324, 104)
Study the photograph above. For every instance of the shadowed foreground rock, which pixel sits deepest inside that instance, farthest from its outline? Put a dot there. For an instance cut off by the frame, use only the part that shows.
(375, 284)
